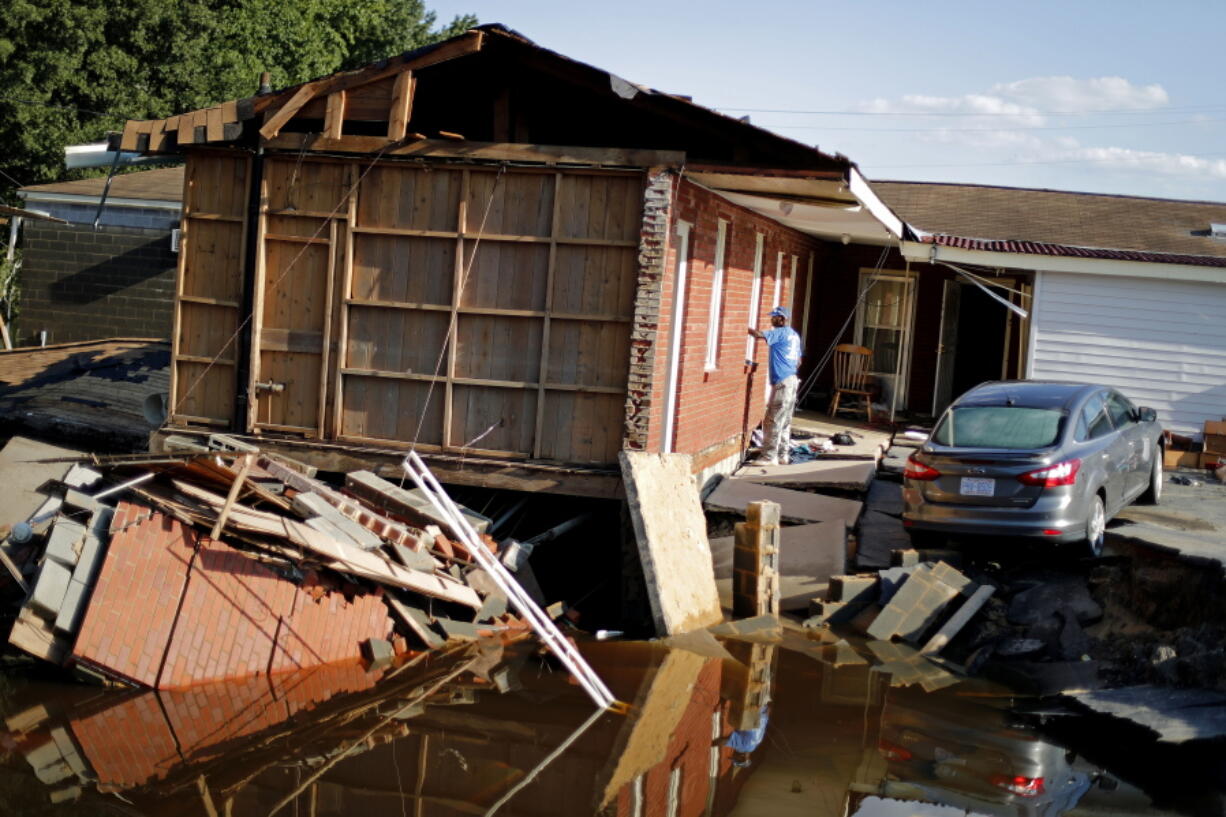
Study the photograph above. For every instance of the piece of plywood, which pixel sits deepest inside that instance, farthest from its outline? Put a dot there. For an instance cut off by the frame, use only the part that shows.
(734, 496)
(841, 475)
(671, 532)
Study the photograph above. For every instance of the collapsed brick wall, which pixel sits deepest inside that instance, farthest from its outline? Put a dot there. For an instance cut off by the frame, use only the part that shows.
(714, 405)
(81, 284)
(642, 391)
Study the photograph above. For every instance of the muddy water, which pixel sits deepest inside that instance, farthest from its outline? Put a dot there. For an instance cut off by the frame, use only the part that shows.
(498, 731)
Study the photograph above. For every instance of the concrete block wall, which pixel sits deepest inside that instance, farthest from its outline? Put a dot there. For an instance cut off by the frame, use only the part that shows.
(714, 405)
(81, 284)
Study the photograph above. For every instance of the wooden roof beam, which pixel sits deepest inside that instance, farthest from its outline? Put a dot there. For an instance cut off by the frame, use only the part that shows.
(334, 114)
(402, 106)
(273, 126)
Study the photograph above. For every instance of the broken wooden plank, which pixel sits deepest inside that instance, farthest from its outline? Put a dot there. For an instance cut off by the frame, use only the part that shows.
(389, 529)
(341, 556)
(402, 502)
(321, 515)
(231, 497)
(959, 620)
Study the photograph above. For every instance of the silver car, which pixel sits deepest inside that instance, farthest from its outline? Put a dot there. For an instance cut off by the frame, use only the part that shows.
(1028, 458)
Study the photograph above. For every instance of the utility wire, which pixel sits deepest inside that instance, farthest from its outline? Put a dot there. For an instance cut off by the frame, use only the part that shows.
(36, 104)
(1146, 111)
(940, 129)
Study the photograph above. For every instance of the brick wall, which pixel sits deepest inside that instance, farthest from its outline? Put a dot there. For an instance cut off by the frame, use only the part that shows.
(81, 284)
(713, 406)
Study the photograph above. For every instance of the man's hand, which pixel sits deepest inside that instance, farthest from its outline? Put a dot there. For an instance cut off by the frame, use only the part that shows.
(756, 333)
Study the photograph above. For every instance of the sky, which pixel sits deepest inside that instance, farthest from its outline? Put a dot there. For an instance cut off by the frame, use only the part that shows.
(1121, 97)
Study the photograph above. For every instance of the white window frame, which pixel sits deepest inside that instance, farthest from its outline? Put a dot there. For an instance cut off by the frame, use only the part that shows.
(804, 332)
(903, 377)
(717, 298)
(755, 295)
(676, 335)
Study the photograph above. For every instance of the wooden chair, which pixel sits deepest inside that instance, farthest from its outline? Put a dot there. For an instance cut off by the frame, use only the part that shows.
(851, 365)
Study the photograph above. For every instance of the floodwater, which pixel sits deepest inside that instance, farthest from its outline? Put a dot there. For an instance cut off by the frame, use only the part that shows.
(499, 731)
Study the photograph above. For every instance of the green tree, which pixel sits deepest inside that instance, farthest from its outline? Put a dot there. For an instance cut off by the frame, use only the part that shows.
(72, 70)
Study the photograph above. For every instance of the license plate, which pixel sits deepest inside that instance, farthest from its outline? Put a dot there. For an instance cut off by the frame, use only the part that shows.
(977, 486)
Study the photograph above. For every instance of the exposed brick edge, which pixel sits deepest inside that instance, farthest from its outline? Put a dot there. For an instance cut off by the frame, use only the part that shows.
(653, 246)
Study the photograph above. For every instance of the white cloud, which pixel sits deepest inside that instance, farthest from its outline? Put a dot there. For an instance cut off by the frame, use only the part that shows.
(1173, 164)
(1066, 94)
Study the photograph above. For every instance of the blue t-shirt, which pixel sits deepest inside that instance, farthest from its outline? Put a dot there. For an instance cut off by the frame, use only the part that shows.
(784, 352)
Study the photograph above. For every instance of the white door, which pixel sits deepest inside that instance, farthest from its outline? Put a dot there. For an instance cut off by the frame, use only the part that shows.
(1162, 343)
(883, 324)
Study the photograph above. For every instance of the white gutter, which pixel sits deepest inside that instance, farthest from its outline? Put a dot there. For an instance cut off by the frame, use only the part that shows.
(674, 342)
(858, 186)
(112, 201)
(918, 251)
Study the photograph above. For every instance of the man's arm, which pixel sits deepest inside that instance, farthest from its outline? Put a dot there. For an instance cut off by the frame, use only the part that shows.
(757, 334)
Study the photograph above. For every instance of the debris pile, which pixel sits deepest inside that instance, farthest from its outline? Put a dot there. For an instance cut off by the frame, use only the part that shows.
(1026, 633)
(236, 563)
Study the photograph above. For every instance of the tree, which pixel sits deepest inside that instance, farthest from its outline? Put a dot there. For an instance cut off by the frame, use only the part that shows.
(72, 70)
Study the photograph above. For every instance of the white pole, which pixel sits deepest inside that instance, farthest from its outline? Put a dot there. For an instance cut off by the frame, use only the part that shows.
(544, 627)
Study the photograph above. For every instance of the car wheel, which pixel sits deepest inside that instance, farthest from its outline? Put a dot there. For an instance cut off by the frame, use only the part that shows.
(1096, 527)
(1153, 494)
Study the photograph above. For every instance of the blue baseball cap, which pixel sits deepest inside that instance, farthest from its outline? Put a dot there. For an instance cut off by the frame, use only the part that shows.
(783, 312)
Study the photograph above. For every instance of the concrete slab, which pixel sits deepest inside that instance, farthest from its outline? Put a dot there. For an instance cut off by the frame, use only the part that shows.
(73, 608)
(50, 588)
(841, 475)
(63, 545)
(86, 569)
(914, 608)
(895, 461)
(21, 474)
(1175, 715)
(877, 536)
(734, 496)
(671, 532)
(884, 497)
(808, 556)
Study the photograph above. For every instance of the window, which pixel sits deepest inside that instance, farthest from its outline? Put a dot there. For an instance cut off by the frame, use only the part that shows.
(883, 324)
(1008, 427)
(717, 298)
(1094, 421)
(1120, 409)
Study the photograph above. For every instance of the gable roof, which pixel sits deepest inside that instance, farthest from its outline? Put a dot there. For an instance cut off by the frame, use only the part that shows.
(458, 82)
(163, 184)
(1057, 223)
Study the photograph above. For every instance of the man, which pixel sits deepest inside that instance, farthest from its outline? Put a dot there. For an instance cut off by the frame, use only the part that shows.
(784, 346)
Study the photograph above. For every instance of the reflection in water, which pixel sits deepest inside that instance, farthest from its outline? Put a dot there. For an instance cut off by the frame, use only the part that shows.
(718, 728)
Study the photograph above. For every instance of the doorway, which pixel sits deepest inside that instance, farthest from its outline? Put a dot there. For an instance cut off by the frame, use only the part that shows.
(980, 340)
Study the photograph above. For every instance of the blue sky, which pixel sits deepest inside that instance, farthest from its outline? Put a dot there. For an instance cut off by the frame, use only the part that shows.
(1111, 97)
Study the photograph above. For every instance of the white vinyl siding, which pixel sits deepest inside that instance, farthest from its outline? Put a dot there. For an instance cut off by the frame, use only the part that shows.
(1161, 343)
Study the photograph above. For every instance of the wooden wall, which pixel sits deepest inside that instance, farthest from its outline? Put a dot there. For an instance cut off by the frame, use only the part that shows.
(209, 290)
(462, 308)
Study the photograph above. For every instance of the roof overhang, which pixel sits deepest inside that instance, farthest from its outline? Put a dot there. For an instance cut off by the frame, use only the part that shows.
(828, 206)
(933, 253)
(34, 197)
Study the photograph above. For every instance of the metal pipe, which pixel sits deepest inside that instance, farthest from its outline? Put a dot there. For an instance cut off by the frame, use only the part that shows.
(541, 624)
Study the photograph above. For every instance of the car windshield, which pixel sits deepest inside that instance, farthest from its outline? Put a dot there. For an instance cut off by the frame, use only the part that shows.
(999, 427)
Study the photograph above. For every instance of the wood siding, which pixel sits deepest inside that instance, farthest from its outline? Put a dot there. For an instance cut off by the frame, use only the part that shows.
(209, 290)
(460, 308)
(1161, 343)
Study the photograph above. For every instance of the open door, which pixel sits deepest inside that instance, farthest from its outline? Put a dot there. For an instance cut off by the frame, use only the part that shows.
(947, 348)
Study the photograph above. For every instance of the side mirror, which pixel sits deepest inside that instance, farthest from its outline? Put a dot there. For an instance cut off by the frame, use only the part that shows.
(1146, 415)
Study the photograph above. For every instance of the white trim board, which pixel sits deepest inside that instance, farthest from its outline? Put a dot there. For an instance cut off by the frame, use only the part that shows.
(916, 251)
